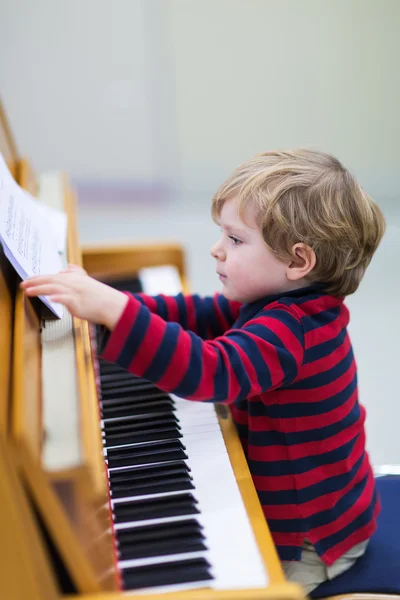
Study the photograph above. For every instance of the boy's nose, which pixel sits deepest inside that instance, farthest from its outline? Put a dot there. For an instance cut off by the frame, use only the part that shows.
(218, 252)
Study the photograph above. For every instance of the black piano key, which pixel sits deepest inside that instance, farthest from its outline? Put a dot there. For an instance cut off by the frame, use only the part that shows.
(135, 397)
(119, 382)
(155, 508)
(138, 423)
(146, 533)
(139, 408)
(174, 545)
(126, 396)
(182, 571)
(131, 391)
(146, 453)
(147, 435)
(129, 474)
(175, 484)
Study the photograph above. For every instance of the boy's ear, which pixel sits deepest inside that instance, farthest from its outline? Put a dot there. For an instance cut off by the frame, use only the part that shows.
(303, 261)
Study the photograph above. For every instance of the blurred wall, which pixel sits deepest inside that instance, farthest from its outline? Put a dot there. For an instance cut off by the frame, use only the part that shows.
(184, 90)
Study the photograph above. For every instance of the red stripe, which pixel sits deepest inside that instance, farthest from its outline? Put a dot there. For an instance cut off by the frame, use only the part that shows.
(350, 515)
(329, 331)
(241, 417)
(149, 301)
(172, 308)
(283, 332)
(326, 362)
(247, 366)
(117, 338)
(300, 481)
(270, 357)
(315, 448)
(318, 305)
(148, 349)
(178, 363)
(319, 504)
(191, 314)
(294, 424)
(358, 536)
(323, 392)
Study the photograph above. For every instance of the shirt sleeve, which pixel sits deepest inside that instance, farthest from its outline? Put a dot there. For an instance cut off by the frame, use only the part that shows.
(208, 317)
(263, 355)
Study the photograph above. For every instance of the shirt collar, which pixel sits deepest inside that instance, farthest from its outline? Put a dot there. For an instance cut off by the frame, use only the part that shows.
(250, 309)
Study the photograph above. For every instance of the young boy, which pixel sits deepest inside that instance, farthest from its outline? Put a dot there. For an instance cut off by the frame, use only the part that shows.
(297, 233)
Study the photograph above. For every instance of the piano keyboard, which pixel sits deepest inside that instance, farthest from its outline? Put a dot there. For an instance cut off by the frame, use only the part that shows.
(178, 515)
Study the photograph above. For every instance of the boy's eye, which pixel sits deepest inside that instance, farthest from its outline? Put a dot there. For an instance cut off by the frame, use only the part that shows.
(235, 240)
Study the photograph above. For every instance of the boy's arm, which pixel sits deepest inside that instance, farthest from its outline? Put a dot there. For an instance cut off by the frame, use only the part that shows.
(209, 317)
(263, 355)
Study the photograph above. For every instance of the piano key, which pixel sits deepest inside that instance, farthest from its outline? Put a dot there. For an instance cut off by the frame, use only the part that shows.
(146, 453)
(179, 571)
(162, 507)
(159, 531)
(146, 435)
(135, 473)
(140, 408)
(205, 454)
(176, 484)
(138, 423)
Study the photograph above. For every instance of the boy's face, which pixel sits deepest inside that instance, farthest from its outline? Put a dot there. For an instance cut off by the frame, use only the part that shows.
(247, 268)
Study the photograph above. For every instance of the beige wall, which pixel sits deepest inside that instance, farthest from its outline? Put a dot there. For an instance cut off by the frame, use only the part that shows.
(186, 89)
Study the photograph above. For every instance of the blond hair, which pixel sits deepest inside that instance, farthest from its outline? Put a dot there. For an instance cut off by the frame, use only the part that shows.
(306, 196)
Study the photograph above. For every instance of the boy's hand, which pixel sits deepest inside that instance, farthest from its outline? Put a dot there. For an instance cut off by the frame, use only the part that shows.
(82, 295)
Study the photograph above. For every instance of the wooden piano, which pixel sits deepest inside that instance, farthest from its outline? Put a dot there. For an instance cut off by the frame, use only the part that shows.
(67, 529)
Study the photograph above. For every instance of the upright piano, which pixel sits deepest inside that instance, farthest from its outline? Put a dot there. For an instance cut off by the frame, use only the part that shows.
(108, 486)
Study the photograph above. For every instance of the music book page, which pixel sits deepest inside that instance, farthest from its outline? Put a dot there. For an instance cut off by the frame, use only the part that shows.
(25, 234)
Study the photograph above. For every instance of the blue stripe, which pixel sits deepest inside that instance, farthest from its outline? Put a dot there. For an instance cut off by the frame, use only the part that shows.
(304, 409)
(324, 517)
(164, 353)
(224, 305)
(134, 338)
(193, 375)
(319, 434)
(200, 311)
(300, 465)
(325, 348)
(253, 352)
(236, 364)
(328, 376)
(213, 321)
(287, 319)
(286, 359)
(362, 520)
(182, 310)
(289, 552)
(161, 307)
(312, 322)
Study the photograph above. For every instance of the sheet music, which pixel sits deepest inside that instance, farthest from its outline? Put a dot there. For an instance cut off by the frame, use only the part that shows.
(25, 234)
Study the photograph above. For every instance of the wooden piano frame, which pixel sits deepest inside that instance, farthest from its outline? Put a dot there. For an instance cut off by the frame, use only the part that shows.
(65, 511)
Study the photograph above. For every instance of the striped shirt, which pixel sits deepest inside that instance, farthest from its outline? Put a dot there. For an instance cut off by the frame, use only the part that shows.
(285, 366)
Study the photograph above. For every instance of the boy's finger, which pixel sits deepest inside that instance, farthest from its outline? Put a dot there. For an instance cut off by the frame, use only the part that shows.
(37, 280)
(45, 289)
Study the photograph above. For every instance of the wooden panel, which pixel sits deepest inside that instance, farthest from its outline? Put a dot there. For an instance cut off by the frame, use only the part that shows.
(7, 144)
(6, 311)
(287, 591)
(54, 515)
(26, 177)
(105, 262)
(27, 383)
(25, 571)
